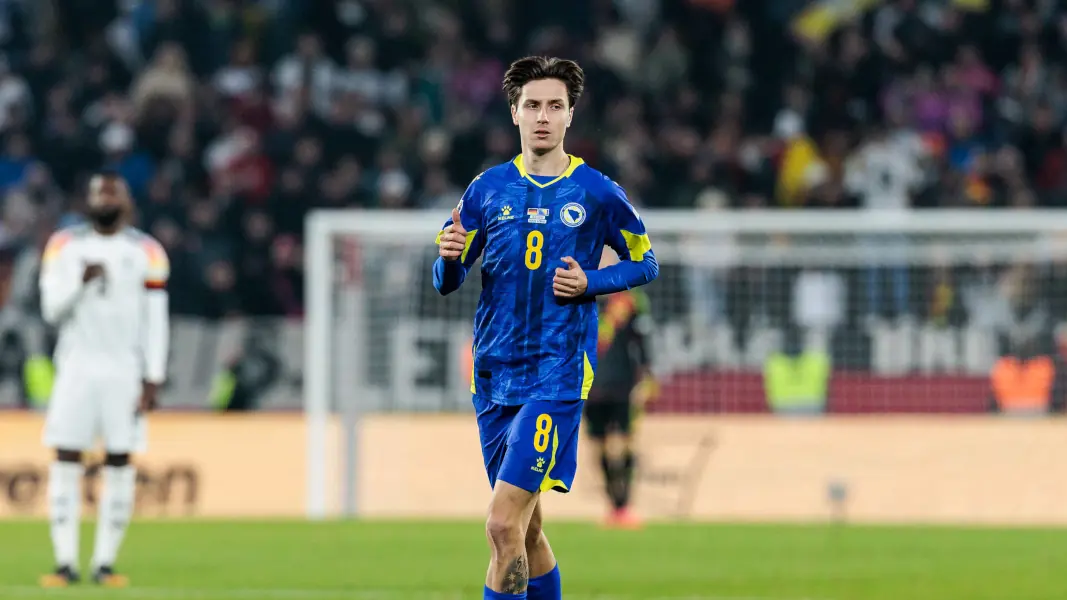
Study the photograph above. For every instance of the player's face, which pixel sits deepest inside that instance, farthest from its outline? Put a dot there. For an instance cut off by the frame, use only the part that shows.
(542, 114)
(109, 203)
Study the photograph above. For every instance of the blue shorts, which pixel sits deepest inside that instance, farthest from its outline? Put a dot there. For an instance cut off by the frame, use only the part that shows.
(533, 446)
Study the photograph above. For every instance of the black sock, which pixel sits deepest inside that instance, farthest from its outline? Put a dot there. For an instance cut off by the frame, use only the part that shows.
(609, 474)
(615, 480)
(626, 479)
(605, 467)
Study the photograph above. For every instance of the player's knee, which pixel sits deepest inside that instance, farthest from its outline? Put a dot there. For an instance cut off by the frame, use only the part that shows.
(117, 460)
(504, 533)
(69, 456)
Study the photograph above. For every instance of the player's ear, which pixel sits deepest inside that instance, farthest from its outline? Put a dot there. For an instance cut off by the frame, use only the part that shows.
(570, 116)
(514, 114)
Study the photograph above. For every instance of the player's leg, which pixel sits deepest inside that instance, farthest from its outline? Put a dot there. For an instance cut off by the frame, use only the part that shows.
(120, 431)
(544, 571)
(509, 514)
(64, 513)
(619, 460)
(596, 422)
(505, 522)
(70, 427)
(115, 510)
(542, 455)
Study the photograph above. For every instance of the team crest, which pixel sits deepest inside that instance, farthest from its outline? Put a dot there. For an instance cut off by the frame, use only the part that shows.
(572, 214)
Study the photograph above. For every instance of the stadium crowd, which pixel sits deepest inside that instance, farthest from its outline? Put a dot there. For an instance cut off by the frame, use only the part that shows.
(232, 118)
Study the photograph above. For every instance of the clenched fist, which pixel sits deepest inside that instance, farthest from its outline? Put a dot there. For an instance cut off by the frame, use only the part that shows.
(453, 239)
(92, 271)
(570, 282)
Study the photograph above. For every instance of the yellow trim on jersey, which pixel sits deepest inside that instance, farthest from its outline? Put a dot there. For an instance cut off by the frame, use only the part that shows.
(466, 243)
(575, 163)
(637, 244)
(548, 483)
(473, 389)
(587, 376)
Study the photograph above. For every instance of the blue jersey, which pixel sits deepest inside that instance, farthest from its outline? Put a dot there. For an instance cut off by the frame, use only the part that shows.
(530, 345)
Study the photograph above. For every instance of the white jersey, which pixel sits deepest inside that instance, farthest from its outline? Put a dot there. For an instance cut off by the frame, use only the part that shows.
(118, 320)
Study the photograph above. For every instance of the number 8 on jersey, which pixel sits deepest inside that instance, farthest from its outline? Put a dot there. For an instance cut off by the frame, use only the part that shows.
(534, 242)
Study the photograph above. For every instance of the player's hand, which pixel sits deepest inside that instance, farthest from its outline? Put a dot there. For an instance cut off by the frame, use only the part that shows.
(149, 397)
(570, 282)
(453, 238)
(92, 271)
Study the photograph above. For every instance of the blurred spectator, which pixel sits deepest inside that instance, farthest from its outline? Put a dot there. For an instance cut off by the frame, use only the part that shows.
(233, 118)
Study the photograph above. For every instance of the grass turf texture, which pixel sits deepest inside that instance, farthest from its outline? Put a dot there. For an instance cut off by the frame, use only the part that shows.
(207, 560)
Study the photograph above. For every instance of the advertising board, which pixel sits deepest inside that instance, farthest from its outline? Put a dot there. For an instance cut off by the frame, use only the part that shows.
(197, 465)
(877, 469)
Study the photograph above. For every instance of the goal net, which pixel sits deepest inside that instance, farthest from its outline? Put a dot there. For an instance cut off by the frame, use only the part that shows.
(755, 312)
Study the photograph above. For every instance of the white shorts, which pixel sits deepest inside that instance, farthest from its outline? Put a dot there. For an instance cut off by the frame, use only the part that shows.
(87, 407)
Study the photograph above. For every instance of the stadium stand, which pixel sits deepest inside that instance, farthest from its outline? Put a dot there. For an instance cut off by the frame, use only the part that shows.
(233, 118)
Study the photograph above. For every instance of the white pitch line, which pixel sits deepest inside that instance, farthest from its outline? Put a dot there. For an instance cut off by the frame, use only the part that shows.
(150, 593)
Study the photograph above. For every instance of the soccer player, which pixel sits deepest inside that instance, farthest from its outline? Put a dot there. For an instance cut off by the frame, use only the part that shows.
(623, 385)
(540, 223)
(103, 286)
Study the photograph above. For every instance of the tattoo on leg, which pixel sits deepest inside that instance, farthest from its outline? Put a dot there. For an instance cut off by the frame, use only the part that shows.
(516, 576)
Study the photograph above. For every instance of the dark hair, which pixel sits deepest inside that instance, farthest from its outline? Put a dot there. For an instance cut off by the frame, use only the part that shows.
(532, 68)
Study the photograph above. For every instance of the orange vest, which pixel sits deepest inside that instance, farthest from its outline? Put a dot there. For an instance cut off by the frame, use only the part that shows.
(1023, 386)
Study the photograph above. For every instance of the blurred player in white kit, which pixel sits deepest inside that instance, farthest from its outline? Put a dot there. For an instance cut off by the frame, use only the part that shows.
(103, 285)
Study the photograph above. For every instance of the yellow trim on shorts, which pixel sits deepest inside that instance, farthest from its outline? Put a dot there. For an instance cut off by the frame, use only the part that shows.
(548, 483)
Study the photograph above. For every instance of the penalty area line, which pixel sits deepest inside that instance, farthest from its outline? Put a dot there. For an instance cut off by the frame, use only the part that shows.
(157, 593)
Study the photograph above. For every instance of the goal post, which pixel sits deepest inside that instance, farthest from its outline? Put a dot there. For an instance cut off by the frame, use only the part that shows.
(910, 308)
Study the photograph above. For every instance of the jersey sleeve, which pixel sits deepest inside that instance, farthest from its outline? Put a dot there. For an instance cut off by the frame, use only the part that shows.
(625, 235)
(60, 280)
(157, 273)
(156, 338)
(448, 275)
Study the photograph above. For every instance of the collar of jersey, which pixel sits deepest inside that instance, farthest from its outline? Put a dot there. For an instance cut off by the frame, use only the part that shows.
(575, 163)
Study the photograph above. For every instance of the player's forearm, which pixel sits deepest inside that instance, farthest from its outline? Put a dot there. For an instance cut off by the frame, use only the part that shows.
(157, 336)
(622, 276)
(448, 275)
(58, 297)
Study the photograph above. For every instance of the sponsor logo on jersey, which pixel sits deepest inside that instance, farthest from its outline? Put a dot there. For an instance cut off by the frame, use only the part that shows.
(572, 214)
(505, 213)
(538, 215)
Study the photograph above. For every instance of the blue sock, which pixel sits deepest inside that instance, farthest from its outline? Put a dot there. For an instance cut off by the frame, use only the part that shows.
(491, 595)
(545, 587)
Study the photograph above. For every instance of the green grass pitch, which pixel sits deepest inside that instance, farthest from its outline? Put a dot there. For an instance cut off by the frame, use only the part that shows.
(205, 560)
